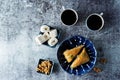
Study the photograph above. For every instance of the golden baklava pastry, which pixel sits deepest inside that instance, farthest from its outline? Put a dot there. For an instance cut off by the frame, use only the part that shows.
(82, 58)
(72, 53)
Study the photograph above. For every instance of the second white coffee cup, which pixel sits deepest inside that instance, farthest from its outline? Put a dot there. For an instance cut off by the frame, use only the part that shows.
(95, 21)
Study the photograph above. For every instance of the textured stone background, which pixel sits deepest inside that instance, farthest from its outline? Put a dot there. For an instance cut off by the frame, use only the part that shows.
(20, 21)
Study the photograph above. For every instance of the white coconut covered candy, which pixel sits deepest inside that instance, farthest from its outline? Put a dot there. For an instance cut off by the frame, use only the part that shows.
(52, 41)
(44, 28)
(46, 35)
(53, 33)
(40, 39)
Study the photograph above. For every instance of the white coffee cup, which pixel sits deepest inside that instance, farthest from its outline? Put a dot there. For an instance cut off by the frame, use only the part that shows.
(95, 21)
(69, 17)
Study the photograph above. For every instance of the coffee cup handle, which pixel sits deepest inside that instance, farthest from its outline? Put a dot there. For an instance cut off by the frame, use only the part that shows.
(101, 14)
(63, 7)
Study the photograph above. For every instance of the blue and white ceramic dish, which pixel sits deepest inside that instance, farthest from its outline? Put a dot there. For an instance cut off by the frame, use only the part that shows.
(71, 43)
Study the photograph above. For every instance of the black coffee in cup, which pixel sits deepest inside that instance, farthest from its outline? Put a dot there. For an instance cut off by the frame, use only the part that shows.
(69, 17)
(94, 22)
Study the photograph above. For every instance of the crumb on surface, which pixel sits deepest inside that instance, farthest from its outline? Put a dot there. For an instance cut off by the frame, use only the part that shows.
(103, 60)
(97, 70)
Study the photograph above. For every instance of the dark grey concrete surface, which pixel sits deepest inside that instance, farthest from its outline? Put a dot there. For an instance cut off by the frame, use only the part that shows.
(20, 21)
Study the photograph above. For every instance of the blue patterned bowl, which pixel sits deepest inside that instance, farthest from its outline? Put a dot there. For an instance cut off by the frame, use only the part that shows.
(71, 43)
